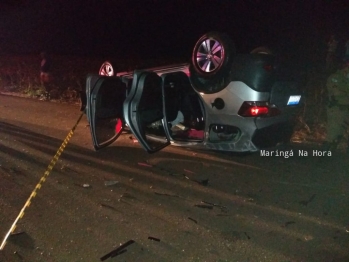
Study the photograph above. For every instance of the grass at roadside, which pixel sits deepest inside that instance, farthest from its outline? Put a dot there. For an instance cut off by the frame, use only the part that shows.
(311, 127)
(21, 74)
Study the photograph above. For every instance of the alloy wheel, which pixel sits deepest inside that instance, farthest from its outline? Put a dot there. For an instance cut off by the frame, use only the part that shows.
(209, 55)
(106, 69)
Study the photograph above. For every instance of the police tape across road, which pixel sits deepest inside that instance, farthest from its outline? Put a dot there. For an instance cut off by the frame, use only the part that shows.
(42, 180)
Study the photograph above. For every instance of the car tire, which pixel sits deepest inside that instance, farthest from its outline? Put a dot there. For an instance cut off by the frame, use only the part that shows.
(211, 62)
(107, 69)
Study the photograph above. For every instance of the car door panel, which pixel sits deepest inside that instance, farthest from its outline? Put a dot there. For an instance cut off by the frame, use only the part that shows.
(143, 109)
(105, 97)
(181, 106)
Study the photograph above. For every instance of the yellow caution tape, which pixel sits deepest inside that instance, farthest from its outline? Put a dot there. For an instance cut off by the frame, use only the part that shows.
(42, 180)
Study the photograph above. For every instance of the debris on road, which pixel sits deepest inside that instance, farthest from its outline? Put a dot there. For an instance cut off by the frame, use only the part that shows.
(213, 204)
(108, 206)
(308, 237)
(154, 239)
(68, 169)
(118, 251)
(83, 185)
(203, 182)
(306, 202)
(144, 164)
(204, 206)
(111, 183)
(17, 233)
(164, 194)
(288, 223)
(192, 219)
(248, 237)
(126, 195)
(17, 254)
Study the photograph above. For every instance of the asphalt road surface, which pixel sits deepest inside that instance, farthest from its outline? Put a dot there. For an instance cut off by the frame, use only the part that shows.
(174, 205)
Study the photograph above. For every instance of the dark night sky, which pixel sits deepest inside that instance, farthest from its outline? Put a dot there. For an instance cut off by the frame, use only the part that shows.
(157, 28)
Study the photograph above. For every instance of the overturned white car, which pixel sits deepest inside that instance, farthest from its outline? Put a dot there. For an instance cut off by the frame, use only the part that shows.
(221, 100)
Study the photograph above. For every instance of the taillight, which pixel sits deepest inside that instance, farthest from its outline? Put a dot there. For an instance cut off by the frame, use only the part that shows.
(253, 109)
(258, 110)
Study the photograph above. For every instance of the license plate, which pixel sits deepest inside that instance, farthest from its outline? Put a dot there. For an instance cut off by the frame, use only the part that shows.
(293, 100)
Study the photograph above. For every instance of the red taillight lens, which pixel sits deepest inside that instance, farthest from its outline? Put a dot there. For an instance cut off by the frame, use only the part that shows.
(253, 109)
(258, 110)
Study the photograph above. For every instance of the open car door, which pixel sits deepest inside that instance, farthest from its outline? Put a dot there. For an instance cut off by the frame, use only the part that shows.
(143, 110)
(104, 108)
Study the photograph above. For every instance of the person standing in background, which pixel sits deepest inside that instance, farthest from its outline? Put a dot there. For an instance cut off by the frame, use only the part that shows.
(46, 74)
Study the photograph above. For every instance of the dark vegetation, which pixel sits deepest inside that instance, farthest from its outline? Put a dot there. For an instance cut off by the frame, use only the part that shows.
(21, 74)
